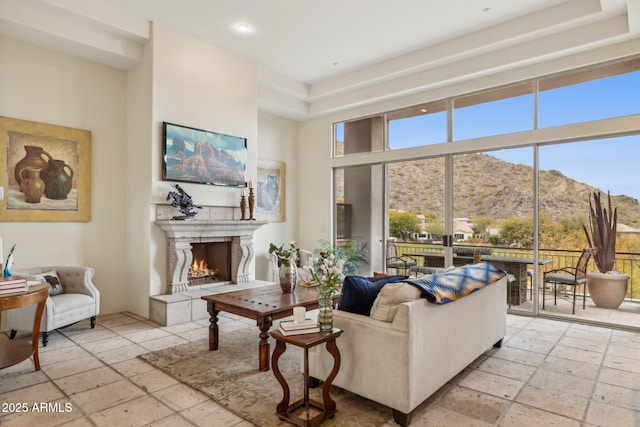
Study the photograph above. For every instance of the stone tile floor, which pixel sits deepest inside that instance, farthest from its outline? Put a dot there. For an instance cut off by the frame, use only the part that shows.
(546, 373)
(625, 316)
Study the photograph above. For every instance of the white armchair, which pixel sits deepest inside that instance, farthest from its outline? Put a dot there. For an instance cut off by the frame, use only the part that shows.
(80, 300)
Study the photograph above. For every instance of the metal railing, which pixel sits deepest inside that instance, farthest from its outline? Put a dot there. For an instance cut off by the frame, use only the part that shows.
(626, 262)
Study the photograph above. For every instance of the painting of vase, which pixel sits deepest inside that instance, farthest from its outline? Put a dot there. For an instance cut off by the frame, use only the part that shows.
(62, 157)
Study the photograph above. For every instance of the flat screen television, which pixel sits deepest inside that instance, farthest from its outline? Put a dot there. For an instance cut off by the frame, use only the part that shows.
(203, 157)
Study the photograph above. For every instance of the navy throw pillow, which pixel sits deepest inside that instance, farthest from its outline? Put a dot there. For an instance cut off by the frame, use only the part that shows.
(359, 293)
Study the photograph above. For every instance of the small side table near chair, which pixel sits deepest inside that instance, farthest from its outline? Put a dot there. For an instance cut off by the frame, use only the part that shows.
(327, 407)
(15, 351)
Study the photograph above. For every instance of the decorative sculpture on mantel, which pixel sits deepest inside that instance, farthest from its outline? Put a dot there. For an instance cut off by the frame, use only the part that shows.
(182, 201)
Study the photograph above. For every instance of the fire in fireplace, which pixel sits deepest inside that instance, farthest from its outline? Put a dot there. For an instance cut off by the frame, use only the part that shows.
(211, 263)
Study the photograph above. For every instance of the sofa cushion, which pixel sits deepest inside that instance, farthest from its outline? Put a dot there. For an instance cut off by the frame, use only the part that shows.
(390, 297)
(359, 293)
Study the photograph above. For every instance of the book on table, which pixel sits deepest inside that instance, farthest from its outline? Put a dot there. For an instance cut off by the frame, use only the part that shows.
(291, 325)
(21, 288)
(12, 285)
(308, 330)
(12, 280)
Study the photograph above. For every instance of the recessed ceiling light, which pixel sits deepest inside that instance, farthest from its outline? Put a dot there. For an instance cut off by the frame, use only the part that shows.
(243, 28)
(423, 110)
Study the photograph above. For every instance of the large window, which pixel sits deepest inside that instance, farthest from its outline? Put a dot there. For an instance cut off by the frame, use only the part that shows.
(598, 93)
(419, 125)
(514, 189)
(495, 112)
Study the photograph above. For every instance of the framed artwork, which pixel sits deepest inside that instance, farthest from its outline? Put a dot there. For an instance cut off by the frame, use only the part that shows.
(203, 157)
(47, 172)
(271, 191)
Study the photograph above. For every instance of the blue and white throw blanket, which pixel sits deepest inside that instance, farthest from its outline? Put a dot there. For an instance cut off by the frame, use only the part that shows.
(441, 288)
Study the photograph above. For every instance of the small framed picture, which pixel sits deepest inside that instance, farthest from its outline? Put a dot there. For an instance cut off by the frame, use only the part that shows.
(271, 191)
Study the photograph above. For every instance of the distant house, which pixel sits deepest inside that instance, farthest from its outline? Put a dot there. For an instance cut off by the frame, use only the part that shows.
(462, 230)
(625, 230)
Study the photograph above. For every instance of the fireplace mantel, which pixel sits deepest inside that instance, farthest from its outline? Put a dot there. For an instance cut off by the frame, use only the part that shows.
(181, 234)
(193, 229)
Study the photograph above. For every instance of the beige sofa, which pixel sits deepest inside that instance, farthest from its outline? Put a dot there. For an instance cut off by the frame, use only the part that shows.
(402, 362)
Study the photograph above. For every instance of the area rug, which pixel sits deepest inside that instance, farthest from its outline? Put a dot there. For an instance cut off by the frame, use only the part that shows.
(230, 376)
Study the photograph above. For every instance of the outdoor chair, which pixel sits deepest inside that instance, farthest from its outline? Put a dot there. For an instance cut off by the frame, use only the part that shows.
(402, 262)
(570, 276)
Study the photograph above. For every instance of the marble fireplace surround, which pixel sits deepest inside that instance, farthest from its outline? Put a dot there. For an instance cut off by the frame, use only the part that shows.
(212, 224)
(182, 302)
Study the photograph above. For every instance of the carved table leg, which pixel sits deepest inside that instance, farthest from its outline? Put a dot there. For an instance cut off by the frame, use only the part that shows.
(283, 406)
(213, 326)
(330, 404)
(36, 330)
(264, 323)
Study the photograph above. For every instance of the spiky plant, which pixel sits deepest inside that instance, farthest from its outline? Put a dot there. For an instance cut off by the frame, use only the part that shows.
(603, 224)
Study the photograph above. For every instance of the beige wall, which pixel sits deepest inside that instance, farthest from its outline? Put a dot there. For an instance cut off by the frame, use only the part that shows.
(181, 80)
(44, 86)
(278, 140)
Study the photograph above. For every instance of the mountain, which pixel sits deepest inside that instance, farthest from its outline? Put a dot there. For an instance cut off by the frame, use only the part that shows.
(487, 186)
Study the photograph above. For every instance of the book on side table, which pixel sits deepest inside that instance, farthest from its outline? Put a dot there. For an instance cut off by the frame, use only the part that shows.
(290, 327)
(12, 284)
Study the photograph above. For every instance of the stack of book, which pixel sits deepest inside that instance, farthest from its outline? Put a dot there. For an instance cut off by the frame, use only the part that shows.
(290, 327)
(13, 285)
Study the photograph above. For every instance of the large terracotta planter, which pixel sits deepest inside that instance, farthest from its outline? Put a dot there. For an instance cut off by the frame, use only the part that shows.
(607, 290)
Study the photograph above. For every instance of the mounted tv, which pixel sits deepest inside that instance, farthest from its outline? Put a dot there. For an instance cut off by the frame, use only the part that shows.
(203, 157)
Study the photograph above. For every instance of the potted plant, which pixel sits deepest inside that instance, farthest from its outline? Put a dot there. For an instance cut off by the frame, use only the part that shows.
(353, 252)
(287, 259)
(607, 287)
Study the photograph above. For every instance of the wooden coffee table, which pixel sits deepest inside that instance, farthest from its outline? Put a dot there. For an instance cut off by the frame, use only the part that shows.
(264, 304)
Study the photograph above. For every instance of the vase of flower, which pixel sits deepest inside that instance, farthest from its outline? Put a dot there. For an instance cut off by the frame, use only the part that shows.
(325, 309)
(327, 273)
(288, 275)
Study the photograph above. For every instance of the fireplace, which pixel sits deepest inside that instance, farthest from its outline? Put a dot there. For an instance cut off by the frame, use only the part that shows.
(211, 263)
(218, 237)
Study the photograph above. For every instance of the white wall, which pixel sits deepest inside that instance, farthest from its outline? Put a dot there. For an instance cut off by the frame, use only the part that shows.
(41, 85)
(278, 140)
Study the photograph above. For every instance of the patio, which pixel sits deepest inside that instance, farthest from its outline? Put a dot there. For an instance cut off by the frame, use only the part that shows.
(626, 316)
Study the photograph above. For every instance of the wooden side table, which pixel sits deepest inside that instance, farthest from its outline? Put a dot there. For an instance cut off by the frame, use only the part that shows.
(328, 406)
(15, 351)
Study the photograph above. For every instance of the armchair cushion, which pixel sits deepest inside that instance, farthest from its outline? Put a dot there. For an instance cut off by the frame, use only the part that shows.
(51, 277)
(55, 286)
